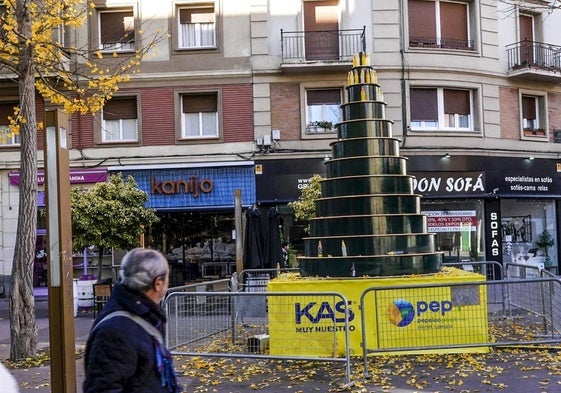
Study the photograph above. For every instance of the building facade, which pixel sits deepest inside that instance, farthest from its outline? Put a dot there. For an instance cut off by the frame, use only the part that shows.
(247, 94)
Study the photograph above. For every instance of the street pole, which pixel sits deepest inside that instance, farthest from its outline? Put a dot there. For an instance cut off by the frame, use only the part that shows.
(239, 230)
(59, 256)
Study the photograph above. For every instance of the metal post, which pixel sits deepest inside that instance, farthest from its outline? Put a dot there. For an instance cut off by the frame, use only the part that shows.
(239, 231)
(59, 257)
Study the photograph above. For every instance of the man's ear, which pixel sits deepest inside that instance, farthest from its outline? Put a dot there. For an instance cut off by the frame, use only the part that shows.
(157, 284)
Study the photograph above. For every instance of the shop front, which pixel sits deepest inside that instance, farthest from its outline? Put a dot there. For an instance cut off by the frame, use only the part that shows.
(195, 204)
(79, 177)
(491, 208)
(279, 182)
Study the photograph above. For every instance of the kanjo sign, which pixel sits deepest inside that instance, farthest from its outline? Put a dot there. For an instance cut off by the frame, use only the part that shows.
(191, 186)
(194, 187)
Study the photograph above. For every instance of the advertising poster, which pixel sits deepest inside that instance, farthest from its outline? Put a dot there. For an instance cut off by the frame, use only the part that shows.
(394, 318)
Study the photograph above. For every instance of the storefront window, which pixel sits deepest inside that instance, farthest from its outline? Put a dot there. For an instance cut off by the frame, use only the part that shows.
(529, 232)
(457, 225)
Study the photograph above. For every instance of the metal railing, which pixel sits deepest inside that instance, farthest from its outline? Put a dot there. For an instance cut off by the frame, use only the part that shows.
(444, 43)
(322, 46)
(530, 315)
(225, 319)
(492, 269)
(532, 54)
(256, 280)
(258, 325)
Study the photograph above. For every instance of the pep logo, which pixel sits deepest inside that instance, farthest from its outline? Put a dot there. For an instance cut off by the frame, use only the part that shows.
(401, 312)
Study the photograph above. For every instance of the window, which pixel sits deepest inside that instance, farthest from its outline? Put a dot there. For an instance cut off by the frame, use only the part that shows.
(116, 31)
(62, 35)
(322, 110)
(197, 26)
(120, 120)
(199, 115)
(523, 224)
(457, 226)
(533, 112)
(441, 109)
(439, 24)
(7, 138)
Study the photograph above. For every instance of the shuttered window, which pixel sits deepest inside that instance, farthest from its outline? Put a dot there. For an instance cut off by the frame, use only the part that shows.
(424, 105)
(529, 107)
(120, 120)
(7, 138)
(422, 22)
(199, 118)
(439, 24)
(439, 109)
(197, 26)
(116, 30)
(322, 109)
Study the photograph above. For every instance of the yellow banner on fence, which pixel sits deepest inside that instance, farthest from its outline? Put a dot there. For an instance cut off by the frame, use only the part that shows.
(406, 318)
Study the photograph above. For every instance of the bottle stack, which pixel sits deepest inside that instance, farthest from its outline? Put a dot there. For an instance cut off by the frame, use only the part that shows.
(368, 220)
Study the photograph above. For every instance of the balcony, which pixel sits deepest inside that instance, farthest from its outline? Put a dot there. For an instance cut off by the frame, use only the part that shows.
(328, 49)
(534, 61)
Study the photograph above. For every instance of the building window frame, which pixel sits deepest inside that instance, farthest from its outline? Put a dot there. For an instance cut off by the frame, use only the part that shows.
(321, 110)
(201, 32)
(116, 40)
(7, 138)
(117, 124)
(533, 115)
(447, 99)
(438, 41)
(202, 110)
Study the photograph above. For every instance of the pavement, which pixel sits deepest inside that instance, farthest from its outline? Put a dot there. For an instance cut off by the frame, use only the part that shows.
(516, 370)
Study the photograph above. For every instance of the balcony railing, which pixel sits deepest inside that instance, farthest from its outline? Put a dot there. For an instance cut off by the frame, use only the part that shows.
(532, 54)
(444, 43)
(322, 46)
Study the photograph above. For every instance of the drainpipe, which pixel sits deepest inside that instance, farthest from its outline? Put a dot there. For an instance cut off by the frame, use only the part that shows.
(402, 80)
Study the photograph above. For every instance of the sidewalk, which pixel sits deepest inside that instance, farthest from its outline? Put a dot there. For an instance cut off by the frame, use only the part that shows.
(516, 371)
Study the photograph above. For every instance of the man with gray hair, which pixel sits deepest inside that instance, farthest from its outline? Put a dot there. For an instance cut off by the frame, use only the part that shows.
(125, 351)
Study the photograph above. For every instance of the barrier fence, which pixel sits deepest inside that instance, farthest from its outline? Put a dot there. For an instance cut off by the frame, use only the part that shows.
(224, 318)
(237, 324)
(255, 280)
(457, 315)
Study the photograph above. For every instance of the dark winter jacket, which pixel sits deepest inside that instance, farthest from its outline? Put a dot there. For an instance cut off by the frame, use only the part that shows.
(120, 355)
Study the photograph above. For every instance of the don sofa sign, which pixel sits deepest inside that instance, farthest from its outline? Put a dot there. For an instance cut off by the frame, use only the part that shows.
(449, 183)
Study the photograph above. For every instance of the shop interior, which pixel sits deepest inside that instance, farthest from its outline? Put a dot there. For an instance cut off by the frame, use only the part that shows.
(529, 233)
(196, 243)
(457, 225)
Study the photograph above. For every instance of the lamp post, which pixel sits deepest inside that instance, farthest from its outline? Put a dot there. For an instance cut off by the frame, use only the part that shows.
(59, 238)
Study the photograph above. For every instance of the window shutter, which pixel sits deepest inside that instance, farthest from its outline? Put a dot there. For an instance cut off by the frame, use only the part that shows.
(200, 103)
(120, 108)
(196, 15)
(456, 101)
(529, 107)
(114, 27)
(453, 21)
(6, 109)
(422, 19)
(424, 105)
(319, 97)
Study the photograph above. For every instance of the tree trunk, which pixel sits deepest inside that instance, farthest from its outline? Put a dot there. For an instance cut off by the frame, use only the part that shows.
(23, 325)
